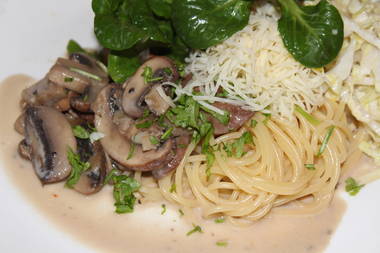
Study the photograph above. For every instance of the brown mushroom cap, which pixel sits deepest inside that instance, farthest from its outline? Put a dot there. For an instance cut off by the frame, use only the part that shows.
(49, 135)
(136, 88)
(115, 144)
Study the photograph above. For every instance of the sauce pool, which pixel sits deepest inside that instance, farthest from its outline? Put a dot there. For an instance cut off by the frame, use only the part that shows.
(91, 219)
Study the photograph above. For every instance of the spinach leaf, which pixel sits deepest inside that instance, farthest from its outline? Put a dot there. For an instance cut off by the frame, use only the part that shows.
(74, 47)
(312, 34)
(162, 8)
(203, 23)
(121, 24)
(121, 67)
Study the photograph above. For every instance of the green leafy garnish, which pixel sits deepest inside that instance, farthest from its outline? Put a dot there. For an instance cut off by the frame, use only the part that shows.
(123, 190)
(74, 47)
(326, 139)
(195, 229)
(80, 132)
(267, 117)
(148, 75)
(253, 123)
(144, 124)
(68, 79)
(77, 168)
(131, 151)
(173, 188)
(120, 67)
(220, 220)
(310, 166)
(306, 115)
(352, 187)
(85, 73)
(154, 140)
(167, 133)
(181, 213)
(222, 244)
(163, 209)
(312, 34)
(222, 118)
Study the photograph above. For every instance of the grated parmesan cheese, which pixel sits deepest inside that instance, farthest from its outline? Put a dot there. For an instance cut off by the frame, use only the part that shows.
(256, 70)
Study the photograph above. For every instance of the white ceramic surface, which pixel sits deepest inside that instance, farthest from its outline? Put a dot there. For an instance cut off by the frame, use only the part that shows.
(33, 33)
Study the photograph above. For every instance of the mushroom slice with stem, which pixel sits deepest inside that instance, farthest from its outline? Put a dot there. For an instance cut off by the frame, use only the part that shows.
(96, 66)
(49, 136)
(157, 69)
(24, 150)
(92, 180)
(117, 146)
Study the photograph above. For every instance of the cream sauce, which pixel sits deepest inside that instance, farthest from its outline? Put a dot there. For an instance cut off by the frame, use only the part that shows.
(92, 219)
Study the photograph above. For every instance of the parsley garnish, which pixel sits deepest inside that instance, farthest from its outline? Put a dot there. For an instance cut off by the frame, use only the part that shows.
(154, 140)
(220, 220)
(195, 229)
(144, 124)
(310, 166)
(325, 140)
(352, 187)
(253, 123)
(267, 117)
(173, 188)
(131, 151)
(181, 213)
(222, 244)
(123, 190)
(77, 168)
(80, 132)
(68, 79)
(148, 75)
(85, 73)
(163, 209)
(167, 134)
(306, 115)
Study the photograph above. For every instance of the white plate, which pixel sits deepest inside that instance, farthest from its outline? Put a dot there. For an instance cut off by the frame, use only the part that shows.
(33, 35)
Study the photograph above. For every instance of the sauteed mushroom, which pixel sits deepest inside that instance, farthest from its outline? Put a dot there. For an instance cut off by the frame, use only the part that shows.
(49, 135)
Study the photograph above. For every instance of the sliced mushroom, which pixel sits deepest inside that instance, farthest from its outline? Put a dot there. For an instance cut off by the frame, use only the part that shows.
(155, 102)
(238, 117)
(136, 88)
(178, 154)
(20, 124)
(24, 150)
(96, 66)
(91, 181)
(43, 92)
(115, 144)
(49, 135)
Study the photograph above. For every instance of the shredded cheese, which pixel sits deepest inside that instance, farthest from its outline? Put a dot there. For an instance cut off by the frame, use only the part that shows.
(256, 70)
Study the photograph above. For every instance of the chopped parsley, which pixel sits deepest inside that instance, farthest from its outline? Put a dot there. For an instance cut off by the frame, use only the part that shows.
(310, 166)
(222, 243)
(236, 148)
(326, 139)
(148, 75)
(173, 188)
(306, 115)
(220, 220)
(80, 132)
(163, 209)
(167, 134)
(352, 186)
(85, 73)
(77, 168)
(123, 190)
(267, 117)
(181, 213)
(195, 229)
(154, 140)
(131, 151)
(68, 79)
(253, 123)
(144, 124)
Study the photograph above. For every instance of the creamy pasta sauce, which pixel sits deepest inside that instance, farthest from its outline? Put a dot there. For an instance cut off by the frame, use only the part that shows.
(91, 219)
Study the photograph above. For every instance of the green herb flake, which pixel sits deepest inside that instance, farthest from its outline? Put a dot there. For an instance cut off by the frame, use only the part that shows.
(306, 115)
(146, 113)
(222, 243)
(168, 71)
(173, 188)
(163, 209)
(310, 166)
(85, 73)
(68, 79)
(181, 213)
(267, 117)
(326, 139)
(195, 229)
(222, 118)
(144, 124)
(148, 75)
(253, 123)
(181, 145)
(77, 168)
(246, 138)
(154, 140)
(74, 47)
(131, 151)
(167, 134)
(352, 186)
(220, 220)
(123, 190)
(80, 132)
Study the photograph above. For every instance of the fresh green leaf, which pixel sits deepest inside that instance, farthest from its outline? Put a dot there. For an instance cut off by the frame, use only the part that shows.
(131, 151)
(352, 187)
(167, 133)
(246, 138)
(220, 220)
(326, 139)
(144, 124)
(222, 118)
(80, 132)
(123, 190)
(312, 34)
(306, 115)
(77, 168)
(85, 73)
(163, 209)
(203, 23)
(74, 47)
(162, 8)
(173, 188)
(120, 68)
(253, 123)
(122, 24)
(68, 79)
(154, 140)
(195, 229)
